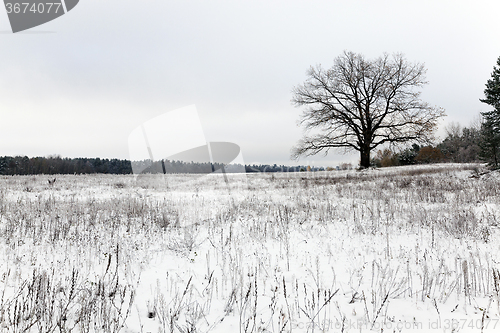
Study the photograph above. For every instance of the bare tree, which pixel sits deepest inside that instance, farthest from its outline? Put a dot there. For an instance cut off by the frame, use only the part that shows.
(452, 141)
(453, 129)
(360, 104)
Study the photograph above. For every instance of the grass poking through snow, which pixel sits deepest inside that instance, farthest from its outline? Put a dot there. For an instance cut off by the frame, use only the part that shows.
(379, 250)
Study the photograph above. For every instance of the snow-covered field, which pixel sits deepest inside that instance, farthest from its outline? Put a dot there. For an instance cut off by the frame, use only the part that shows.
(396, 249)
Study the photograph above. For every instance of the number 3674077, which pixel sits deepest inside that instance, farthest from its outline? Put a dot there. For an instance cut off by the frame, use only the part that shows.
(26, 8)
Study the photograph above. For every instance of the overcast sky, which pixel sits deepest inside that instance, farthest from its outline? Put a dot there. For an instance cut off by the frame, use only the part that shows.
(79, 85)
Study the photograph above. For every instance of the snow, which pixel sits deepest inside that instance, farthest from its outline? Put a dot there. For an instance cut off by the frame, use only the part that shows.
(395, 249)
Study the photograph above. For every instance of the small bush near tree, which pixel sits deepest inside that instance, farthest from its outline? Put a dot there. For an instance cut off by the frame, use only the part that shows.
(385, 158)
(408, 155)
(428, 155)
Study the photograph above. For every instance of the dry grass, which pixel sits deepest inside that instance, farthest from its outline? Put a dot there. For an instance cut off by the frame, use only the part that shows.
(291, 252)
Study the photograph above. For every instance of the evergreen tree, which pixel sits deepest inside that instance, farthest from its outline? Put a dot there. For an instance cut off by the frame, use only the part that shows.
(490, 141)
(408, 155)
(490, 138)
(492, 91)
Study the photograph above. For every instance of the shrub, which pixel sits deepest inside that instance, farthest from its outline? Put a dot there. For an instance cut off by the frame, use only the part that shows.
(385, 158)
(428, 155)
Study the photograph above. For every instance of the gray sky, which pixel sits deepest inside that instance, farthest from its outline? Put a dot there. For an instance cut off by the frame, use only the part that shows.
(79, 85)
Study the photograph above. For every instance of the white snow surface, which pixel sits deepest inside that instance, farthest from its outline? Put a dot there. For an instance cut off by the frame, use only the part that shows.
(380, 250)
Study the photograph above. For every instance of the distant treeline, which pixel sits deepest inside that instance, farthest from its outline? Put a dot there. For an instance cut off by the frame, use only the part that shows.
(23, 165)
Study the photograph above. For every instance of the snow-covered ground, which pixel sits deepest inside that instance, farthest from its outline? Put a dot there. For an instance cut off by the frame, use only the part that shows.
(394, 249)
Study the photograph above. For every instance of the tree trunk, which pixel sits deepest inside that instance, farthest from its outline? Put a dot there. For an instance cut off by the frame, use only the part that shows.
(365, 157)
(495, 159)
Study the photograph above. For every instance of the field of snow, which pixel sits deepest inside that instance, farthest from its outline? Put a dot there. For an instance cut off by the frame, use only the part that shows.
(387, 250)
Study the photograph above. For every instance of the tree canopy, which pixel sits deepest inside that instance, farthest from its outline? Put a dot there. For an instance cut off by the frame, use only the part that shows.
(492, 90)
(360, 104)
(490, 143)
